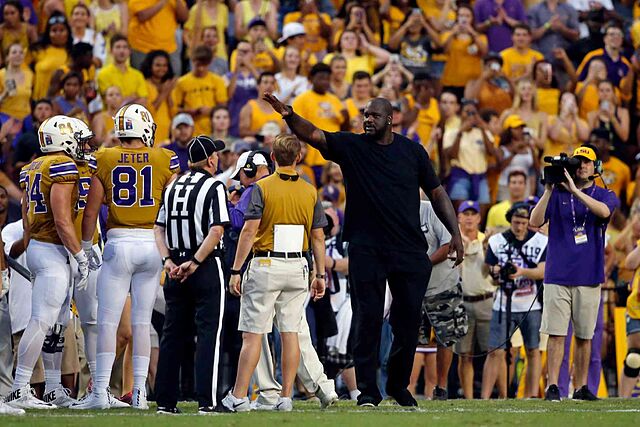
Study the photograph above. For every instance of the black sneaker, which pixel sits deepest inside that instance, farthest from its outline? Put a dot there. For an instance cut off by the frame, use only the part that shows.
(367, 401)
(207, 410)
(552, 394)
(584, 394)
(168, 411)
(440, 393)
(404, 398)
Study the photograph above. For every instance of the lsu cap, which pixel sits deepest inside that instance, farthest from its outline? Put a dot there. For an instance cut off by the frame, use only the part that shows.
(585, 152)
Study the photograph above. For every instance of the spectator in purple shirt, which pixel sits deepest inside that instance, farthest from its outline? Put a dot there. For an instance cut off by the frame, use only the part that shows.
(578, 212)
(251, 167)
(496, 18)
(181, 132)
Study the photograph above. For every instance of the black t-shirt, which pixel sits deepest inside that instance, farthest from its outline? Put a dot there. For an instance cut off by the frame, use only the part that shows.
(383, 189)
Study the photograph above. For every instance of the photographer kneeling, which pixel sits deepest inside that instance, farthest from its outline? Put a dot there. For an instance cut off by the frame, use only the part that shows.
(516, 259)
(578, 212)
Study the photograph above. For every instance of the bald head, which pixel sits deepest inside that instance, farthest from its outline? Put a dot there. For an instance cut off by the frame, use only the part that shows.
(381, 105)
(378, 118)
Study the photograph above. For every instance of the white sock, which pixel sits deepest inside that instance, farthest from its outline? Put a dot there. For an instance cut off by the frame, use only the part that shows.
(23, 377)
(90, 332)
(53, 379)
(353, 394)
(104, 363)
(29, 349)
(140, 370)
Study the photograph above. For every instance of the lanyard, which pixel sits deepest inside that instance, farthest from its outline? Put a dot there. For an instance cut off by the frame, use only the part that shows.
(573, 210)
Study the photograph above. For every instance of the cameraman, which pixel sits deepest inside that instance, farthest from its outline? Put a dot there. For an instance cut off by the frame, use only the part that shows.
(524, 252)
(578, 212)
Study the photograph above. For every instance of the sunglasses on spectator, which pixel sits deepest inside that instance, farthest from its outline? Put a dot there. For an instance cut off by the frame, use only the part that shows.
(285, 177)
(57, 20)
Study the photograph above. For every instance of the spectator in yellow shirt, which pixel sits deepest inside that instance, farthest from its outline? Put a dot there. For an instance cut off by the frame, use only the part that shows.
(360, 54)
(517, 187)
(423, 110)
(317, 27)
(612, 116)
(567, 131)
(120, 73)
(257, 112)
(340, 87)
(50, 53)
(206, 14)
(160, 80)
(519, 59)
(465, 48)
(13, 29)
(15, 85)
(616, 175)
(360, 95)
(199, 91)
(587, 90)
(525, 105)
(153, 25)
(321, 108)
(102, 123)
(548, 96)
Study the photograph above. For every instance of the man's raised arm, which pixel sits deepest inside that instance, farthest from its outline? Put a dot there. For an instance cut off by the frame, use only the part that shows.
(303, 129)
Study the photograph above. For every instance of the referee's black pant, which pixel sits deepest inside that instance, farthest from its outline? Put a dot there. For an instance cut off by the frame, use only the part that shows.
(408, 275)
(201, 296)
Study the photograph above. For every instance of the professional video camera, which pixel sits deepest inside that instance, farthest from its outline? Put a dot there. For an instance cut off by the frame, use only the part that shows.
(554, 174)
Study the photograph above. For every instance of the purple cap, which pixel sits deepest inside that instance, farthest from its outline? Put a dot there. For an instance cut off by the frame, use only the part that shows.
(469, 204)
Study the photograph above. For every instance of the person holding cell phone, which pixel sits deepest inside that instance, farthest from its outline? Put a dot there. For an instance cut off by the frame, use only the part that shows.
(611, 116)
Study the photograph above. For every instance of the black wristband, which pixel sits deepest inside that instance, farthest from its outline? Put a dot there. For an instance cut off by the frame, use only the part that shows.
(321, 276)
(164, 260)
(235, 272)
(195, 261)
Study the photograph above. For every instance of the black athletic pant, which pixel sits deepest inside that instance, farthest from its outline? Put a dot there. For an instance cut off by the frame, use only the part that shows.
(200, 296)
(408, 274)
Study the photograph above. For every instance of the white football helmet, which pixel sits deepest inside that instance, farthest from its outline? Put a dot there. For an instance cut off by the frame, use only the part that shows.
(82, 136)
(63, 134)
(135, 121)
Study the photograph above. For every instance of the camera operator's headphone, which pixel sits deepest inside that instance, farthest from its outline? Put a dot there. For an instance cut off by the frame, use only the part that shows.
(518, 209)
(250, 168)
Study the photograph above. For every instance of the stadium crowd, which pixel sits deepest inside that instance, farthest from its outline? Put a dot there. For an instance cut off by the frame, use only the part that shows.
(489, 88)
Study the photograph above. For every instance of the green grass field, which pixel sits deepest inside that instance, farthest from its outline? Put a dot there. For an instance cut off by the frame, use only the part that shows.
(611, 412)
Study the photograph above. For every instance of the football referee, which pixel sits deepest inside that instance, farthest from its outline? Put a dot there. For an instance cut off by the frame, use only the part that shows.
(188, 233)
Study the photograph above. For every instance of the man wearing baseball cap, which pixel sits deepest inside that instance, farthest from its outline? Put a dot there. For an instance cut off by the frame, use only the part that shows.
(316, 24)
(182, 127)
(477, 294)
(578, 212)
(188, 231)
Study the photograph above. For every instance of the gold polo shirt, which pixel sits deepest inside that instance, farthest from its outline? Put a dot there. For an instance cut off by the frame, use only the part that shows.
(284, 199)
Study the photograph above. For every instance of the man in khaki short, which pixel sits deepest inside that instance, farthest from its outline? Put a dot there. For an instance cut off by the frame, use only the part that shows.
(283, 216)
(578, 212)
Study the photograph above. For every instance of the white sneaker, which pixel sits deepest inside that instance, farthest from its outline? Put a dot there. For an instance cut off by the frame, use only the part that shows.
(139, 399)
(234, 404)
(25, 398)
(114, 402)
(9, 410)
(92, 400)
(284, 404)
(256, 405)
(326, 399)
(59, 397)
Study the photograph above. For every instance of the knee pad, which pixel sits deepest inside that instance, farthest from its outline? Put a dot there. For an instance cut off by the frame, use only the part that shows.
(632, 363)
(54, 340)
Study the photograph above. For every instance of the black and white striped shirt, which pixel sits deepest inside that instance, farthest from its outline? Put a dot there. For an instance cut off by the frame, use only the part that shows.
(191, 205)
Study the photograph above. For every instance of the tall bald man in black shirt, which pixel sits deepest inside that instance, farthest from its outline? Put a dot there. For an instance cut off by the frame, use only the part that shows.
(383, 173)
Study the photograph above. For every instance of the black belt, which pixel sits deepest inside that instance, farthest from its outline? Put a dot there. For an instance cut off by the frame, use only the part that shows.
(476, 298)
(188, 253)
(271, 254)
